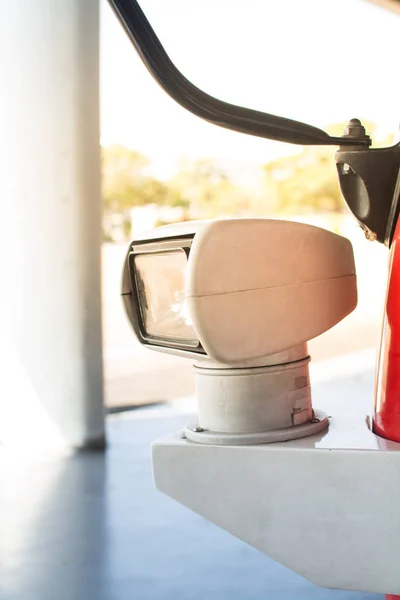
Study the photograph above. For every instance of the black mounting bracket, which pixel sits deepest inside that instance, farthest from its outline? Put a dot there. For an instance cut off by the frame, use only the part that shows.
(370, 183)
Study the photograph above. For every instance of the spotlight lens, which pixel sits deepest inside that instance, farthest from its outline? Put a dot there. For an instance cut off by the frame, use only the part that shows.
(160, 284)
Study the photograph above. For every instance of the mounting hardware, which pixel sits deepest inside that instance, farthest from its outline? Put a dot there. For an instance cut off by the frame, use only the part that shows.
(356, 130)
(369, 181)
(256, 405)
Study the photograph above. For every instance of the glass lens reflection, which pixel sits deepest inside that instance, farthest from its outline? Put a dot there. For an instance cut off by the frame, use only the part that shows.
(160, 282)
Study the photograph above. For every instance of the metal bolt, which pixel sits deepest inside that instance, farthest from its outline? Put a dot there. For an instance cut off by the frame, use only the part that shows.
(355, 129)
(198, 429)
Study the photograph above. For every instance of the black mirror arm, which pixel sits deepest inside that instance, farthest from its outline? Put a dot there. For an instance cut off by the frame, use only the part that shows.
(223, 114)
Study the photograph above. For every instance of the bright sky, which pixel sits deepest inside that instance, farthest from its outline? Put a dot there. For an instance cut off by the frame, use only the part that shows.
(318, 61)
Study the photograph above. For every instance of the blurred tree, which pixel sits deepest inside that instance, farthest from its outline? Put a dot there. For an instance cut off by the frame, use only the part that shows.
(126, 182)
(204, 185)
(307, 181)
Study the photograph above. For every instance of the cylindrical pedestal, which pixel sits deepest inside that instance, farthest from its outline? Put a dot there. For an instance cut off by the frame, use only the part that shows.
(254, 405)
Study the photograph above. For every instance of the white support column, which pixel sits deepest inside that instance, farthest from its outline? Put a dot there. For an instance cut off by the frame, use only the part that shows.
(51, 375)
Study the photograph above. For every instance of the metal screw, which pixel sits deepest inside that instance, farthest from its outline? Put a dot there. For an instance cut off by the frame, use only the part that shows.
(198, 429)
(315, 420)
(355, 129)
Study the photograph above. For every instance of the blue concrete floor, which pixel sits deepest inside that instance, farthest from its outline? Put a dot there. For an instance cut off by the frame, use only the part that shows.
(93, 527)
